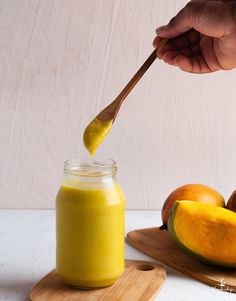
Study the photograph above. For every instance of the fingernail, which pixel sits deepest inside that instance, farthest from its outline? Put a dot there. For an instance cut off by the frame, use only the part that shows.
(161, 29)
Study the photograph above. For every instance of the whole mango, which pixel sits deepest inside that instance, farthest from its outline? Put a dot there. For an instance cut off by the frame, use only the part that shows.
(231, 204)
(193, 192)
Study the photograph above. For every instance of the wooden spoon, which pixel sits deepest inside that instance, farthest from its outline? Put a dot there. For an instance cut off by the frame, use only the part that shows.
(99, 127)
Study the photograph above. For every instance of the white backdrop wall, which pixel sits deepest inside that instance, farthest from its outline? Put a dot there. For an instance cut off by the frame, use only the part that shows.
(63, 61)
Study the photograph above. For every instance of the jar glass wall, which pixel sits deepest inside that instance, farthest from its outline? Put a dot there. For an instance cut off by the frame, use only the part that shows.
(90, 225)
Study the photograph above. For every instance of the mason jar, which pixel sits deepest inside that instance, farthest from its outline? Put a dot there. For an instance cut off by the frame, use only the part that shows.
(90, 225)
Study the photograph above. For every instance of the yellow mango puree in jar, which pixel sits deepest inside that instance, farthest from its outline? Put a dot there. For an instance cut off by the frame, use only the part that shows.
(90, 226)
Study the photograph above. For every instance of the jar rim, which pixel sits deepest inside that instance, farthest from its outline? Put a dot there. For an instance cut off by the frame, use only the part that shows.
(75, 167)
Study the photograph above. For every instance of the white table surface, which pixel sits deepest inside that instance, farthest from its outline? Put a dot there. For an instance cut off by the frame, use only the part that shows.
(27, 253)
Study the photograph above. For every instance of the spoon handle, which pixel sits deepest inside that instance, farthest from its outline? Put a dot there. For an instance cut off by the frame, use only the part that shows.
(121, 97)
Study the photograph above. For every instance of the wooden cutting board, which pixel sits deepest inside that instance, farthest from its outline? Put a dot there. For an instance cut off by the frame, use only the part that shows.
(141, 281)
(159, 245)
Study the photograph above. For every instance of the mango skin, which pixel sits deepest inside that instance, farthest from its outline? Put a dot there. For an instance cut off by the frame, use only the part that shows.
(231, 204)
(193, 192)
(174, 235)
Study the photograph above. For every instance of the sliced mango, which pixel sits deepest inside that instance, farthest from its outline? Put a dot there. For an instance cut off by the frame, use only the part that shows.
(204, 231)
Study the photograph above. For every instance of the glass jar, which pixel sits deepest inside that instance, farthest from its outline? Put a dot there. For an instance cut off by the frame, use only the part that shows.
(90, 225)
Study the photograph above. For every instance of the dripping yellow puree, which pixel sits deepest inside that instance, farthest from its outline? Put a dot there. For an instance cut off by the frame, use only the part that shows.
(95, 133)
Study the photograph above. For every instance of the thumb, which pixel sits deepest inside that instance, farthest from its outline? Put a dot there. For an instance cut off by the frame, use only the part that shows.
(206, 17)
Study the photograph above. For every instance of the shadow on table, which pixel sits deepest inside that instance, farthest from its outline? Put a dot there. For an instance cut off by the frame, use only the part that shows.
(20, 289)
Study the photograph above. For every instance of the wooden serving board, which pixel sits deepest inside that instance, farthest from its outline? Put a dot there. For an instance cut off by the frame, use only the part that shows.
(159, 245)
(141, 281)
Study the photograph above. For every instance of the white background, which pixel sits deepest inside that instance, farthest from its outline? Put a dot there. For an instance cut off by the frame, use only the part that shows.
(62, 61)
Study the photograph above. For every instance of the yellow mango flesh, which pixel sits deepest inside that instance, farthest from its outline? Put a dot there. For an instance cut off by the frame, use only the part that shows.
(95, 133)
(205, 230)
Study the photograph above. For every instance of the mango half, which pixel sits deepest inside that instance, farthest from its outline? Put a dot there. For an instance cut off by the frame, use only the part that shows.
(204, 231)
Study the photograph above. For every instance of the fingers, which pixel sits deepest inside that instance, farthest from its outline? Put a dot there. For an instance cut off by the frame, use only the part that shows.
(187, 42)
(184, 63)
(183, 41)
(194, 65)
(207, 51)
(190, 59)
(185, 52)
(191, 64)
(178, 25)
(188, 39)
(211, 18)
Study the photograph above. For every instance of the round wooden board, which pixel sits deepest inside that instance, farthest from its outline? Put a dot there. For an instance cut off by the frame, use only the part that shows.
(141, 281)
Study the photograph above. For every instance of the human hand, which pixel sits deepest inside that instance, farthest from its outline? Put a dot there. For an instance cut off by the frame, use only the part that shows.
(202, 37)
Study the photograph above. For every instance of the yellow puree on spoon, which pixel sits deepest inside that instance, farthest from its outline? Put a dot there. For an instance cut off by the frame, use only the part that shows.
(95, 133)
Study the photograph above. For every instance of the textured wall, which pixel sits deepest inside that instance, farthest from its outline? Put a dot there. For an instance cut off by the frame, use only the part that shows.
(63, 61)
